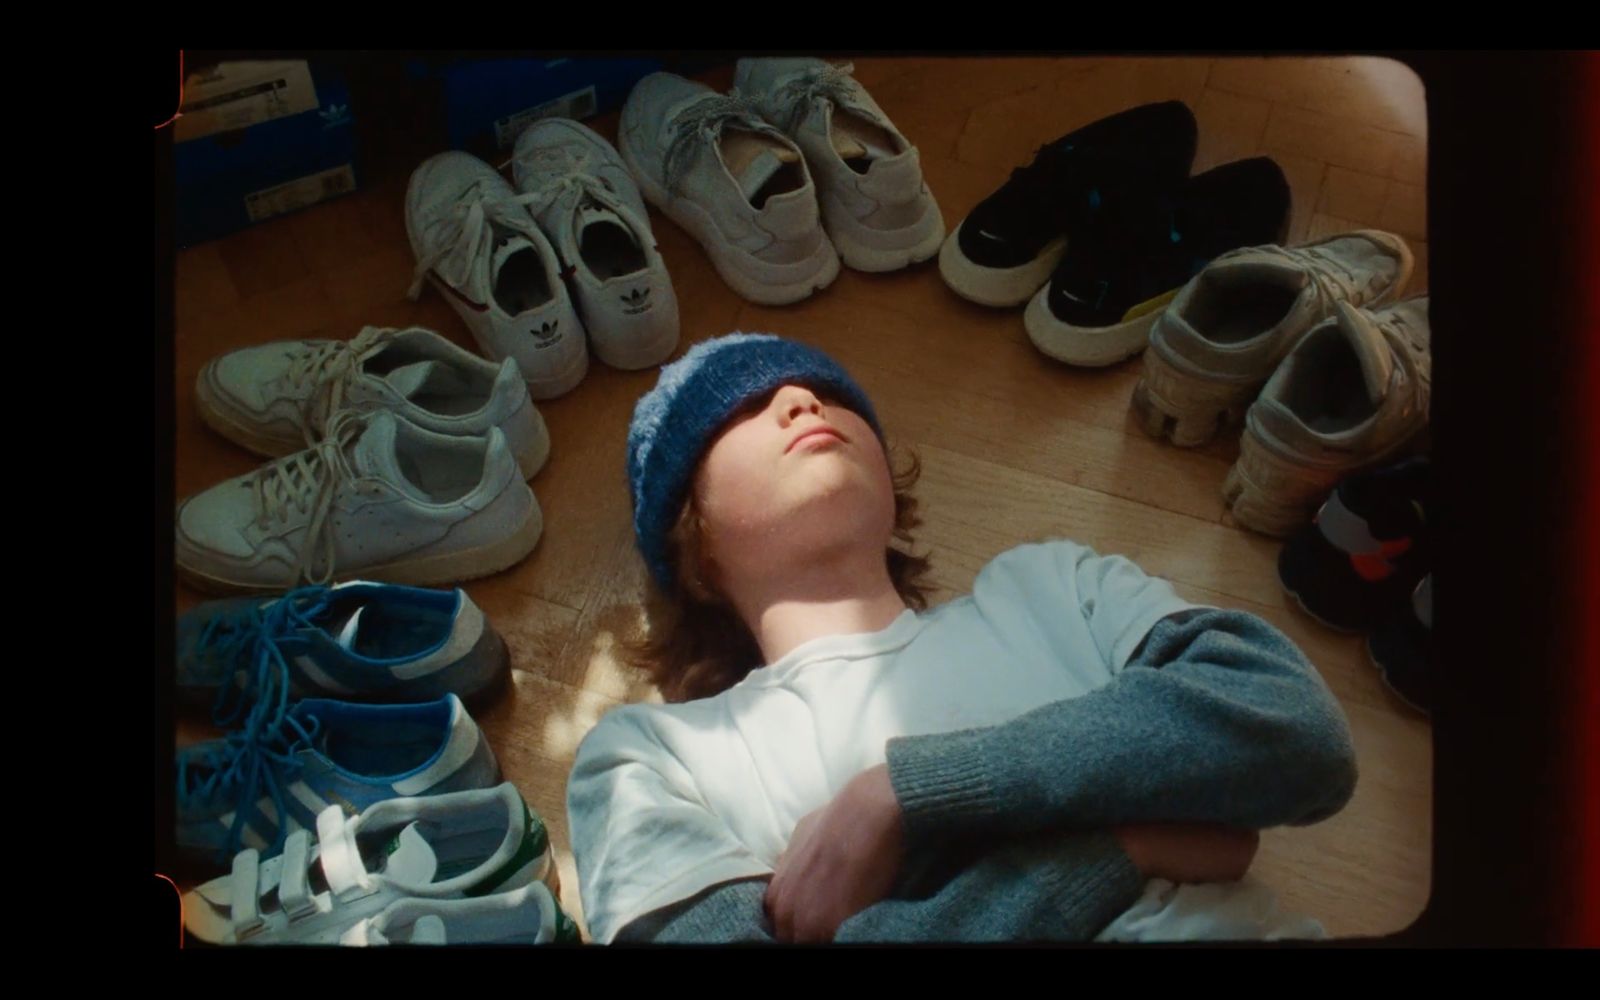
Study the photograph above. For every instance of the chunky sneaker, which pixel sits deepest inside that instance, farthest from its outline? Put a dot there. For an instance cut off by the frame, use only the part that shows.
(434, 851)
(357, 641)
(1365, 550)
(379, 499)
(475, 241)
(591, 209)
(1219, 341)
(1007, 247)
(279, 771)
(875, 204)
(1112, 284)
(733, 182)
(1352, 394)
(529, 915)
(278, 398)
(1401, 648)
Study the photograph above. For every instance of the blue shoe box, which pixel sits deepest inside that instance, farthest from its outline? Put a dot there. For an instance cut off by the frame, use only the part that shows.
(257, 140)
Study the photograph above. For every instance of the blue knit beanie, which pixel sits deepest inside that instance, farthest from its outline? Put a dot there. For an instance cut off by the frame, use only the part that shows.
(674, 423)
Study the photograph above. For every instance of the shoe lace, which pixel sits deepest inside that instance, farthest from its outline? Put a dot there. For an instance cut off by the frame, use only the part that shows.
(308, 482)
(467, 231)
(1334, 279)
(259, 757)
(830, 83)
(698, 127)
(330, 369)
(246, 641)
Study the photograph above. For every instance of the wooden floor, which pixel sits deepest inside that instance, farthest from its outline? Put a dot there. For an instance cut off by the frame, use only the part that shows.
(1014, 446)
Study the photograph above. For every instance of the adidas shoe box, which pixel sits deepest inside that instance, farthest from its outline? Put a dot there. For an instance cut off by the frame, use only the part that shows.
(257, 140)
(488, 102)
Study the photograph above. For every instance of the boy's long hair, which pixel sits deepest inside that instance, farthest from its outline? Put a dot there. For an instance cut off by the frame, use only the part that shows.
(695, 645)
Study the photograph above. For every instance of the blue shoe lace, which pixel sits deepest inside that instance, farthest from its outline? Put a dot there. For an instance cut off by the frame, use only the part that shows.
(260, 756)
(248, 639)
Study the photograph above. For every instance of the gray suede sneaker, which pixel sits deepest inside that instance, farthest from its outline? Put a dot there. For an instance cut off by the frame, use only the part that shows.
(1353, 393)
(733, 182)
(1227, 330)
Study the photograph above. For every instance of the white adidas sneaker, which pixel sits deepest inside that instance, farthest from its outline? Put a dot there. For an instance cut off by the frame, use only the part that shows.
(878, 211)
(733, 182)
(525, 916)
(277, 398)
(590, 208)
(362, 870)
(379, 499)
(475, 241)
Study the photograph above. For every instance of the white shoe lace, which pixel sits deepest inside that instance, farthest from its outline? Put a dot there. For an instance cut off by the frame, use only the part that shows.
(466, 231)
(330, 369)
(1411, 344)
(307, 483)
(698, 127)
(578, 187)
(832, 83)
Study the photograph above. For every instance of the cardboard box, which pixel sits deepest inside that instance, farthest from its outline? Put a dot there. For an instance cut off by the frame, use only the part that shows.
(256, 140)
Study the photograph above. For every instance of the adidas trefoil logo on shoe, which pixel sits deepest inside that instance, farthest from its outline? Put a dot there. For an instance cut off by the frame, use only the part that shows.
(546, 331)
(636, 301)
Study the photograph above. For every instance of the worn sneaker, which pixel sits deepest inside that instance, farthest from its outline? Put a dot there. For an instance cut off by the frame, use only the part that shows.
(1113, 283)
(361, 869)
(357, 641)
(525, 916)
(379, 499)
(875, 205)
(475, 241)
(1219, 341)
(1366, 549)
(1006, 248)
(733, 182)
(284, 766)
(591, 209)
(1353, 393)
(278, 398)
(1401, 648)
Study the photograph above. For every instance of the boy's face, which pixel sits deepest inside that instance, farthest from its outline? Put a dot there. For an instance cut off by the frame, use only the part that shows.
(793, 475)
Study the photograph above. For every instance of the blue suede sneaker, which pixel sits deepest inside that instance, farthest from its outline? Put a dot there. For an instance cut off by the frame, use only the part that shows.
(358, 641)
(287, 764)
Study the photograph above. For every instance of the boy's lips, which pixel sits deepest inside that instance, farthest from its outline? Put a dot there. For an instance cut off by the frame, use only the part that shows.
(811, 433)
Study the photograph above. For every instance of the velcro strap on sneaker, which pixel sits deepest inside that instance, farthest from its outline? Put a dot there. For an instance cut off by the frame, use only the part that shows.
(341, 859)
(246, 910)
(294, 889)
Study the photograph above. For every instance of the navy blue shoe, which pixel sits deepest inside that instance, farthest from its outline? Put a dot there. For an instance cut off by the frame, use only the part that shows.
(357, 641)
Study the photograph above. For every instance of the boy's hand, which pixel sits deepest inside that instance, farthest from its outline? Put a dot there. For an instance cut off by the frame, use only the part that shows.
(841, 859)
(1189, 852)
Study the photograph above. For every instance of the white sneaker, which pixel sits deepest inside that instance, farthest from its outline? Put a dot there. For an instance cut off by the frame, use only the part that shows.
(877, 209)
(277, 398)
(474, 239)
(1353, 393)
(1219, 341)
(432, 849)
(736, 184)
(529, 915)
(380, 499)
(590, 208)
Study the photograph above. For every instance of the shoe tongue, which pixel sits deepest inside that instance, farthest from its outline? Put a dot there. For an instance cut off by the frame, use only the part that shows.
(410, 860)
(347, 634)
(590, 214)
(408, 379)
(1370, 347)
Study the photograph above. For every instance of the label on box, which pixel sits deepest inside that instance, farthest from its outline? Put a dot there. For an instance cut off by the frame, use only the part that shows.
(577, 105)
(241, 94)
(300, 193)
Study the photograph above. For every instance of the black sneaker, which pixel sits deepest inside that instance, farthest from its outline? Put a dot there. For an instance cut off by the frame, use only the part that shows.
(1400, 648)
(1006, 247)
(1363, 554)
(1112, 284)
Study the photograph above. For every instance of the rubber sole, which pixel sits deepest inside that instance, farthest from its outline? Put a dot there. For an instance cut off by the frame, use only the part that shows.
(1081, 346)
(997, 287)
(1186, 410)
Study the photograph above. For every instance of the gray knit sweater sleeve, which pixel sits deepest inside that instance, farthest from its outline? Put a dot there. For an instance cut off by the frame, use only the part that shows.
(1053, 888)
(1219, 718)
